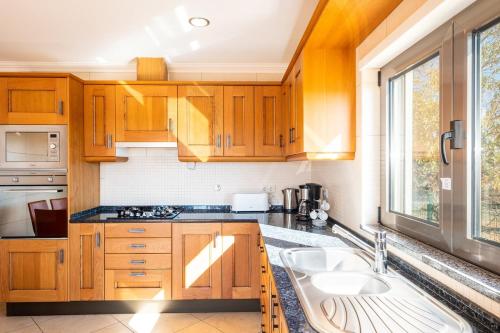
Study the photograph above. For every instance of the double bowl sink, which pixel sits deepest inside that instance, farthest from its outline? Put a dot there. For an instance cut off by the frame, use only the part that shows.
(339, 292)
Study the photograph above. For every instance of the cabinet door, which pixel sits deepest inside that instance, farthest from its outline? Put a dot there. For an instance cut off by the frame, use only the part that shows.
(99, 120)
(200, 121)
(196, 262)
(86, 275)
(240, 260)
(33, 101)
(138, 284)
(33, 271)
(286, 103)
(146, 113)
(297, 114)
(268, 121)
(264, 289)
(238, 121)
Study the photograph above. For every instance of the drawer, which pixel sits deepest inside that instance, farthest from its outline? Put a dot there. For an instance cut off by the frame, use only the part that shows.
(138, 261)
(138, 245)
(138, 284)
(138, 230)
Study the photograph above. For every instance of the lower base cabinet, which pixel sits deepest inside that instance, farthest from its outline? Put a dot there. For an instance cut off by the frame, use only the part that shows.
(273, 319)
(138, 285)
(33, 270)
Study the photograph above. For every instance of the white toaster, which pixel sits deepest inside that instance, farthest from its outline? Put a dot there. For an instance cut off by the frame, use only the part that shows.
(250, 202)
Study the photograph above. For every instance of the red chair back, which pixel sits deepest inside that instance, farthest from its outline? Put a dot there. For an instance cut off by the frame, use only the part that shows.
(61, 203)
(51, 223)
(32, 206)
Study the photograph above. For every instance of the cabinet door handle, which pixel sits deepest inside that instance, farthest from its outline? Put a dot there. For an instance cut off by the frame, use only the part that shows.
(289, 135)
(170, 126)
(137, 246)
(137, 274)
(111, 141)
(293, 134)
(281, 140)
(216, 236)
(60, 107)
(136, 230)
(228, 141)
(137, 262)
(98, 239)
(61, 256)
(262, 289)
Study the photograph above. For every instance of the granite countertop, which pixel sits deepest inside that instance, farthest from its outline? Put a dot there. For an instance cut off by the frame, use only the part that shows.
(281, 231)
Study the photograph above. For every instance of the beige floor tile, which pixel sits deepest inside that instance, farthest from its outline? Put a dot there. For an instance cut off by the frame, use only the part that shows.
(9, 324)
(29, 329)
(115, 328)
(203, 315)
(200, 327)
(153, 322)
(74, 324)
(236, 322)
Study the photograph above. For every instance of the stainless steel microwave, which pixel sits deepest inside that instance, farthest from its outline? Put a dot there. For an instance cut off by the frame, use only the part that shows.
(33, 147)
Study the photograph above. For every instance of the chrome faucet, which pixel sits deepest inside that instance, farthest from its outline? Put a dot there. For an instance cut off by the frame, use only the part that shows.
(380, 241)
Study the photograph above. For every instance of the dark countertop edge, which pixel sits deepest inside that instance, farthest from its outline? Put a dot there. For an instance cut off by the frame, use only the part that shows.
(483, 281)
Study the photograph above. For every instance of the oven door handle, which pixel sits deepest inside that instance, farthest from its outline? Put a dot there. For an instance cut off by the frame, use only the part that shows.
(33, 191)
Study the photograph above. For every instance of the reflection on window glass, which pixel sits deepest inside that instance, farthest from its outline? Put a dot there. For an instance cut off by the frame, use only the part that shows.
(414, 142)
(488, 134)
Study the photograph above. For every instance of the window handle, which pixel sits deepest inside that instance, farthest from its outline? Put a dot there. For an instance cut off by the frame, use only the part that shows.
(456, 137)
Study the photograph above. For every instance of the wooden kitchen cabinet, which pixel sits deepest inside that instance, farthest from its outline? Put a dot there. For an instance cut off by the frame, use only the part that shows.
(240, 261)
(196, 263)
(138, 284)
(200, 121)
(33, 270)
(273, 319)
(146, 113)
(25, 100)
(269, 139)
(99, 120)
(293, 109)
(86, 261)
(239, 120)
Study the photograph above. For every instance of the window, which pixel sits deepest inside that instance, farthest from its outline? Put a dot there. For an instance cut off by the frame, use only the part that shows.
(441, 152)
(414, 145)
(487, 133)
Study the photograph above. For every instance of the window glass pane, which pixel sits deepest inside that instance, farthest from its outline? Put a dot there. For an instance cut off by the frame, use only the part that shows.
(488, 134)
(414, 141)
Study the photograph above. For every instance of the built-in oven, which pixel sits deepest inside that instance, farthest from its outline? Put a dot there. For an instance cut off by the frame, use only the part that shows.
(33, 147)
(33, 206)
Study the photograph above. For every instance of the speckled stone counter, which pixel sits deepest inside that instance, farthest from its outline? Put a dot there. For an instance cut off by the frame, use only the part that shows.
(282, 231)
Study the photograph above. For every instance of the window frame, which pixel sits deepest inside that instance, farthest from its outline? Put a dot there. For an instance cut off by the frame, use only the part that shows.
(454, 42)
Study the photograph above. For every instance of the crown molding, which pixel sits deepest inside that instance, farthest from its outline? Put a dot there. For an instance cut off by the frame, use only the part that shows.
(75, 67)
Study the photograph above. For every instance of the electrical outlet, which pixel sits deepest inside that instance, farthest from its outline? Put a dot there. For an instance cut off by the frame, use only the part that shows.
(217, 188)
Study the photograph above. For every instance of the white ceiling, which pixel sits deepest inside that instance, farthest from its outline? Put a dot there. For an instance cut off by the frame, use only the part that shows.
(112, 33)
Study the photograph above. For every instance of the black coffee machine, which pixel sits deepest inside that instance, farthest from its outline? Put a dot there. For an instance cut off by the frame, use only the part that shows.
(314, 195)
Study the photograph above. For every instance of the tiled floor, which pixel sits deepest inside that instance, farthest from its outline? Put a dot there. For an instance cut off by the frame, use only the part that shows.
(244, 322)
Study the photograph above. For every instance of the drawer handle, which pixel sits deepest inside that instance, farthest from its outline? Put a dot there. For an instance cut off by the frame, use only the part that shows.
(137, 246)
(137, 262)
(137, 274)
(136, 230)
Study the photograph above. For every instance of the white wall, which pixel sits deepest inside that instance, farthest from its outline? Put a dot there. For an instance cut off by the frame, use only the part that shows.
(155, 176)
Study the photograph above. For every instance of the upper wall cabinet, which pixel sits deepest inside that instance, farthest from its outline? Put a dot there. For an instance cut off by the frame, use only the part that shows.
(239, 121)
(321, 106)
(269, 140)
(146, 113)
(33, 100)
(99, 120)
(200, 121)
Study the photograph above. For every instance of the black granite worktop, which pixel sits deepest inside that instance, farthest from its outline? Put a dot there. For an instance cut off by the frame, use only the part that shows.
(281, 231)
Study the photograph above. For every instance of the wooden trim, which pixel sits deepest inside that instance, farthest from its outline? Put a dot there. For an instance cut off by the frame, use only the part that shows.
(40, 75)
(96, 159)
(232, 159)
(320, 156)
(188, 83)
(309, 29)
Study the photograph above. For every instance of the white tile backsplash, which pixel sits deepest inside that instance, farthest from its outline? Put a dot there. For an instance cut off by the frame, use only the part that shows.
(155, 176)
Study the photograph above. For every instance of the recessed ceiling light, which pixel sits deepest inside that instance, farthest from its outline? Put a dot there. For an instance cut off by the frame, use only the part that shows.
(199, 22)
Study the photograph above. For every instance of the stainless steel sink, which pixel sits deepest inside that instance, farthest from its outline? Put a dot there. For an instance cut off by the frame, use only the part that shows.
(339, 292)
